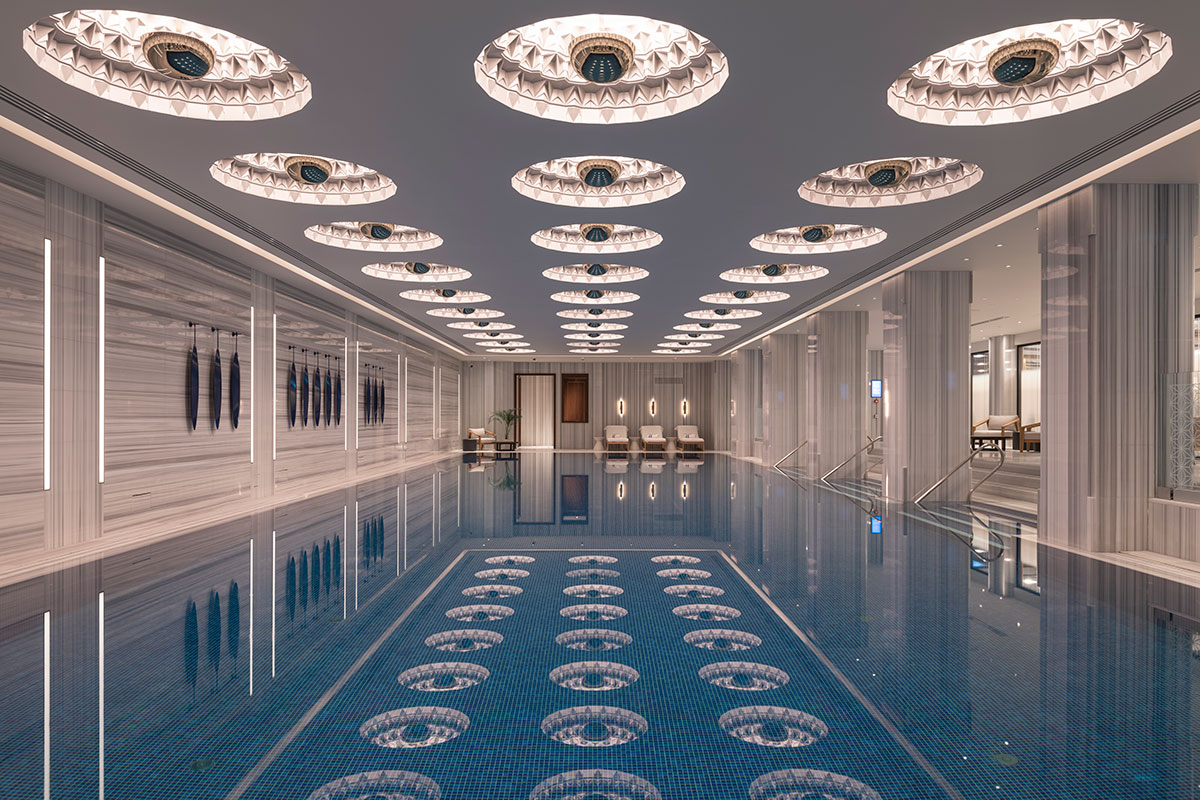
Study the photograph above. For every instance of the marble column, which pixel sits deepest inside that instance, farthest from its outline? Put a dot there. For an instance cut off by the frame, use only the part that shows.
(1117, 284)
(837, 391)
(784, 357)
(927, 383)
(1002, 375)
(73, 229)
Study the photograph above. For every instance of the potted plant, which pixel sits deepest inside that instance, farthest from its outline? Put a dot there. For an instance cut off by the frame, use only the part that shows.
(506, 417)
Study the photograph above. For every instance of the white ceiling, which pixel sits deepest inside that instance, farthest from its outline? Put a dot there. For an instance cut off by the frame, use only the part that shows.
(393, 89)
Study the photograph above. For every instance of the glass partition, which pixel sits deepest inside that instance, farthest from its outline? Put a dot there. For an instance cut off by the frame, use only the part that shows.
(1179, 414)
(980, 385)
(1029, 383)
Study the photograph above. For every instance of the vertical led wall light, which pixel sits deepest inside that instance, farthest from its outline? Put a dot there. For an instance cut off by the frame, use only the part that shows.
(732, 490)
(683, 407)
(100, 381)
(274, 393)
(399, 433)
(406, 403)
(653, 406)
(46, 387)
(621, 407)
(346, 431)
(733, 408)
(358, 418)
(252, 366)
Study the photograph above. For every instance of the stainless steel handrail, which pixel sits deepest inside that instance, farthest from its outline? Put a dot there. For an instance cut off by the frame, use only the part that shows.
(790, 454)
(854, 455)
(960, 465)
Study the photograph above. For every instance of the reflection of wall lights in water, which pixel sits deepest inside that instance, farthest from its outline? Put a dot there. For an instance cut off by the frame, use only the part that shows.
(621, 490)
(683, 490)
(653, 406)
(653, 490)
(621, 407)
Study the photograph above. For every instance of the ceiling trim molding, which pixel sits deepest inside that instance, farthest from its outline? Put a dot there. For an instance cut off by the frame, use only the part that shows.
(326, 279)
(912, 255)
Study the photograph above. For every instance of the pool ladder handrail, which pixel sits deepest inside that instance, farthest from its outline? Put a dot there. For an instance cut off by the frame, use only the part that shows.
(791, 453)
(937, 484)
(865, 449)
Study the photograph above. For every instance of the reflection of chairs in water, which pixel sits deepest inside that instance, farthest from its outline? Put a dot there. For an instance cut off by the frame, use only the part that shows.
(652, 466)
(619, 465)
(689, 466)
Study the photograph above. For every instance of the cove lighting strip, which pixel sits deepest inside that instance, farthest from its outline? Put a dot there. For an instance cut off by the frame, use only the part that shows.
(46, 362)
(100, 383)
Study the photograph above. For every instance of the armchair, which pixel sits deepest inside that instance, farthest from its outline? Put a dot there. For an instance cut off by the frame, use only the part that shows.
(996, 428)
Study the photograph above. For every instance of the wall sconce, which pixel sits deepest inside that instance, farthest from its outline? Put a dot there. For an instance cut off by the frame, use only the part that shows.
(653, 406)
(620, 490)
(683, 406)
(621, 407)
(653, 490)
(683, 490)
(733, 408)
(732, 490)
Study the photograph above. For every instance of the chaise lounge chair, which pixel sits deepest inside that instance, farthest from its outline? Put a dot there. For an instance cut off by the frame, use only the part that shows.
(689, 437)
(653, 439)
(616, 437)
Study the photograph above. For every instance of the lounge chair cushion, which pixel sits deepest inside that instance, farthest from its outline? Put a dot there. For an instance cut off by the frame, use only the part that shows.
(688, 433)
(653, 433)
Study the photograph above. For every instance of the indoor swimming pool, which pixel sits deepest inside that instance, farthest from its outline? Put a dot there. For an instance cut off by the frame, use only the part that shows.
(570, 627)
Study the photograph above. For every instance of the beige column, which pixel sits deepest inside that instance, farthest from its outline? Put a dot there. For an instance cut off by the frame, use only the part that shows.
(837, 391)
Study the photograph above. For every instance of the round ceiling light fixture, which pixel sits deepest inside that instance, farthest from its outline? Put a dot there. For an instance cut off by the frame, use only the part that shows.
(493, 335)
(595, 237)
(891, 182)
(723, 313)
(675, 352)
(383, 237)
(445, 296)
(166, 65)
(594, 326)
(480, 325)
(695, 336)
(514, 351)
(601, 69)
(594, 314)
(1030, 72)
(595, 273)
(708, 326)
(774, 273)
(504, 341)
(466, 312)
(598, 181)
(818, 239)
(594, 350)
(744, 297)
(595, 336)
(416, 271)
(599, 297)
(674, 344)
(306, 179)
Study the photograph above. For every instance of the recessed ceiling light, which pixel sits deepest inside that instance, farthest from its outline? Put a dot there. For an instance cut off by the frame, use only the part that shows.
(774, 273)
(723, 313)
(695, 336)
(596, 237)
(595, 336)
(384, 237)
(416, 272)
(478, 324)
(824, 238)
(594, 326)
(466, 312)
(744, 297)
(892, 182)
(167, 65)
(601, 68)
(598, 181)
(708, 326)
(595, 273)
(445, 296)
(302, 179)
(600, 297)
(594, 313)
(1030, 72)
(493, 335)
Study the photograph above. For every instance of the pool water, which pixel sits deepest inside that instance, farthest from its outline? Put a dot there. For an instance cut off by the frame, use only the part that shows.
(566, 626)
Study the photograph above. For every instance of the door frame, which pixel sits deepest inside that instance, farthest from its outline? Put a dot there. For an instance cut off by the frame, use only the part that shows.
(553, 401)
